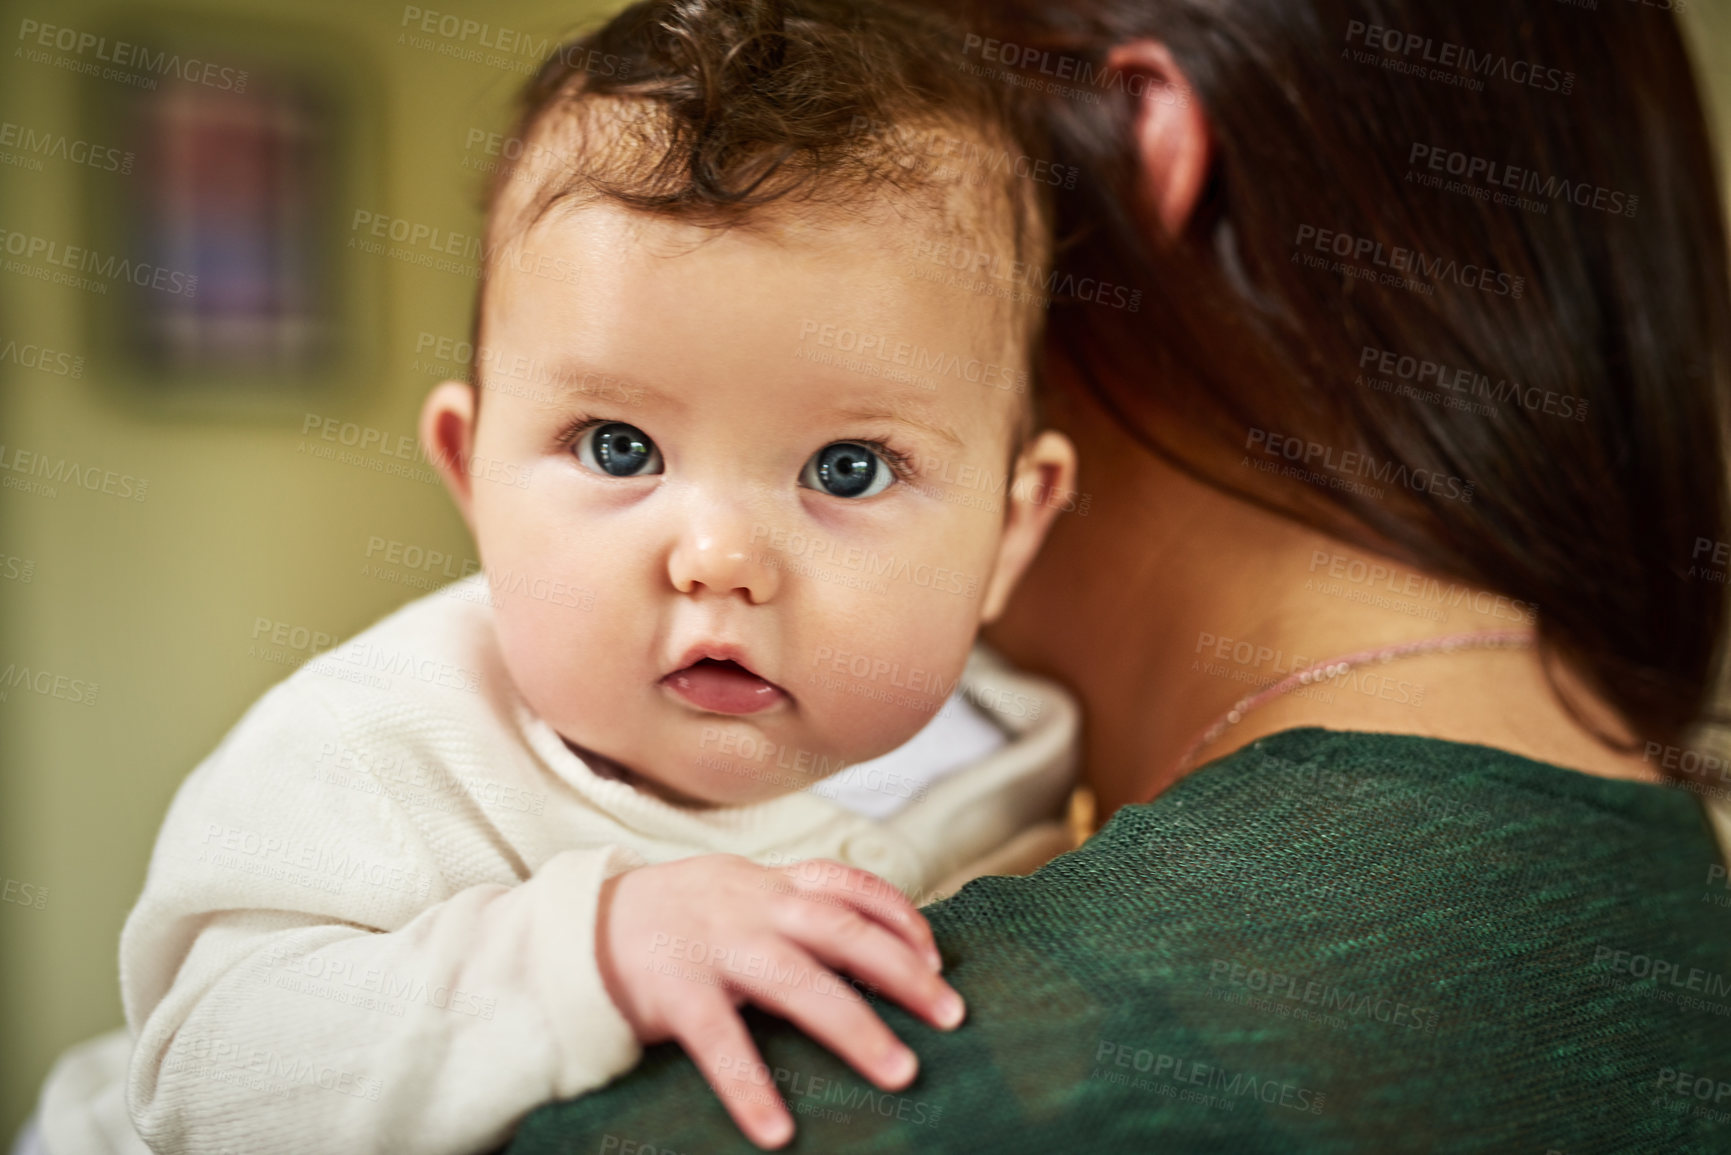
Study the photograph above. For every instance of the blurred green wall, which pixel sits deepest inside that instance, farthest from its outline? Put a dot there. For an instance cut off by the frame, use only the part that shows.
(1709, 25)
(158, 601)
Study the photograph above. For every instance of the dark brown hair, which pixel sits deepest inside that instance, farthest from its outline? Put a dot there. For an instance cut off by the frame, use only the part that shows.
(1608, 287)
(709, 111)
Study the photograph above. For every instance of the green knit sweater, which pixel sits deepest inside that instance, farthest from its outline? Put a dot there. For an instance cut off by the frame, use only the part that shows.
(1326, 942)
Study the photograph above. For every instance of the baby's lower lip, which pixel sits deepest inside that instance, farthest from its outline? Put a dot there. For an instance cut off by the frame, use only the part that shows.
(724, 688)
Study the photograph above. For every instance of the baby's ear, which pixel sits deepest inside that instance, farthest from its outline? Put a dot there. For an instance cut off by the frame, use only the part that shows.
(448, 437)
(1044, 485)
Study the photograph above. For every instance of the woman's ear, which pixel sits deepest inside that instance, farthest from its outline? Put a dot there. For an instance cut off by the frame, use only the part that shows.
(448, 437)
(1171, 132)
(1043, 486)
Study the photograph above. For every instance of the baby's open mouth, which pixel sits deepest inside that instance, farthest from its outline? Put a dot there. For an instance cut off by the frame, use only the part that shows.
(724, 687)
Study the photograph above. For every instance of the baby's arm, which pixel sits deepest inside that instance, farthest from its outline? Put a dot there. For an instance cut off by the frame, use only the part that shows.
(682, 944)
(286, 1032)
(304, 972)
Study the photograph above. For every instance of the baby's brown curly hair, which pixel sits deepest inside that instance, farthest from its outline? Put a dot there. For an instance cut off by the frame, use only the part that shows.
(714, 112)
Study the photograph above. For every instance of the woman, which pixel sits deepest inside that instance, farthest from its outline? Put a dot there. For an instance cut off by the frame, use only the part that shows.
(1425, 390)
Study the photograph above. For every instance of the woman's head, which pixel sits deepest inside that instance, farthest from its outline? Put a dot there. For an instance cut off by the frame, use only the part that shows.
(1459, 269)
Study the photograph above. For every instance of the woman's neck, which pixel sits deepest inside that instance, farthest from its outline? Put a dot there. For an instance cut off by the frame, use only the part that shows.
(1220, 598)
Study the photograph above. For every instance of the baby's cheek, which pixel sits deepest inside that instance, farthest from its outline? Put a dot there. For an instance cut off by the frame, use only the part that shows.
(531, 652)
(870, 688)
(550, 647)
(556, 595)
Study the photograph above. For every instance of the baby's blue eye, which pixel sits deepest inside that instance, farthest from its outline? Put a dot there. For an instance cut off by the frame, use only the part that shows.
(847, 469)
(619, 450)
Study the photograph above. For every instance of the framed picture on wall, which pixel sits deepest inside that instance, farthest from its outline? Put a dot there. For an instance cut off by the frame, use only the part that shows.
(249, 143)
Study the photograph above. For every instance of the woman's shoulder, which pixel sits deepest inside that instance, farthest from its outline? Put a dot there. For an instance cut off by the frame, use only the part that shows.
(1355, 777)
(1324, 943)
(1340, 824)
(1389, 856)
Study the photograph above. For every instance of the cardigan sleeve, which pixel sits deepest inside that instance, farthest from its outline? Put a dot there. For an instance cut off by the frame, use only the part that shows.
(302, 976)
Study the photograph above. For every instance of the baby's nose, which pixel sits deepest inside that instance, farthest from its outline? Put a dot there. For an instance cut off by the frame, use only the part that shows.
(720, 555)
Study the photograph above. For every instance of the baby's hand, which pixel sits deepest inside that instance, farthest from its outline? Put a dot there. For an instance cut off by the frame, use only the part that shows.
(683, 944)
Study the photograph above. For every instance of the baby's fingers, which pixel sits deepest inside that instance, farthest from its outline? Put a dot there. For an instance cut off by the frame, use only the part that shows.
(716, 1039)
(865, 950)
(822, 1004)
(822, 880)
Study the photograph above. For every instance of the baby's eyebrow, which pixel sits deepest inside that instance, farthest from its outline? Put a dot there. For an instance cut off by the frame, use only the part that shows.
(582, 380)
(899, 414)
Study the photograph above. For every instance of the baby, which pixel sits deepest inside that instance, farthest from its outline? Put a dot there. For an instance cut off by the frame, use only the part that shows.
(476, 858)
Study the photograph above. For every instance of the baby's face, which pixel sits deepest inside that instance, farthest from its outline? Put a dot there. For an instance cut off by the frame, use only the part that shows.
(788, 559)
